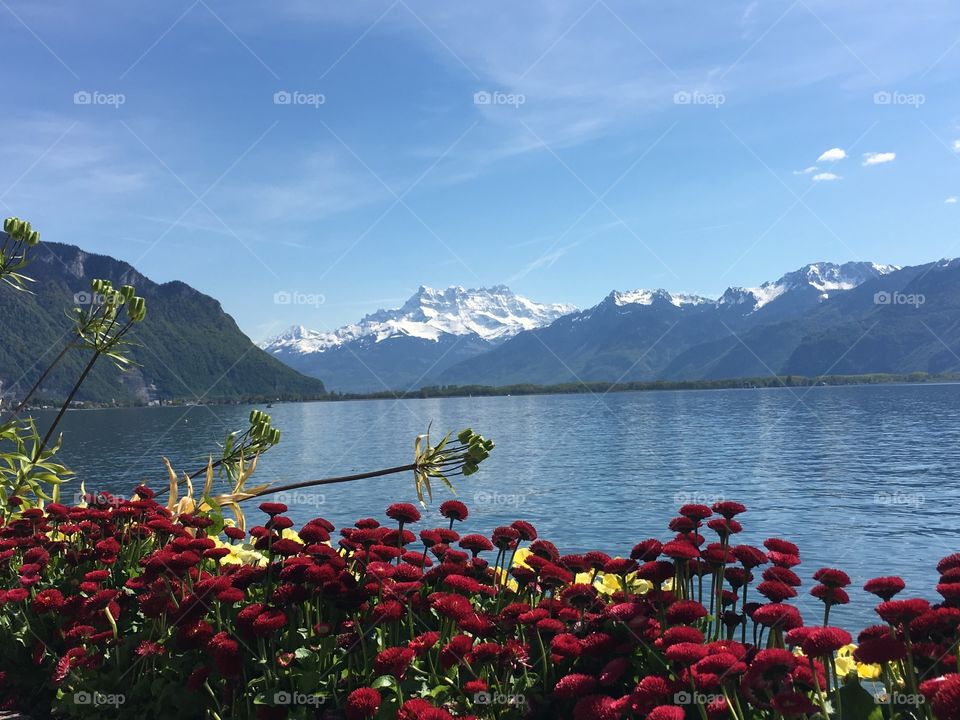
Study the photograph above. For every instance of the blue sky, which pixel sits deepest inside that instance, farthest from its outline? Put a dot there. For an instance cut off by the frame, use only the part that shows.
(346, 153)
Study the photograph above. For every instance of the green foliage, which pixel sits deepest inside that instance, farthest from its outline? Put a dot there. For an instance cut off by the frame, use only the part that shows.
(26, 466)
(13, 255)
(101, 326)
(446, 459)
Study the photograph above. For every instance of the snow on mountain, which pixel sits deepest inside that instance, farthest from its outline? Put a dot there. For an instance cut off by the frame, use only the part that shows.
(825, 278)
(493, 314)
(647, 297)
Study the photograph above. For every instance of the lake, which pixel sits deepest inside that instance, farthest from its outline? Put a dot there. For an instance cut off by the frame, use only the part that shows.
(862, 478)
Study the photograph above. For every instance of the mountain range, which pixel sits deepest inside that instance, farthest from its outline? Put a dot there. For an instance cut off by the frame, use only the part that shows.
(187, 348)
(404, 347)
(851, 318)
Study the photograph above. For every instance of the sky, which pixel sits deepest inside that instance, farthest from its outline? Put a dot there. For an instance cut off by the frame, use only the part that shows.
(308, 162)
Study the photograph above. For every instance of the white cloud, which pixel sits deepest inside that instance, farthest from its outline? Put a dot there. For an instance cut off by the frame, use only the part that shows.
(878, 158)
(832, 155)
(806, 171)
(952, 200)
(821, 177)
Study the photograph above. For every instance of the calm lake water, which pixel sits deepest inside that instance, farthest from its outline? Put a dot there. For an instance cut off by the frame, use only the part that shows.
(862, 478)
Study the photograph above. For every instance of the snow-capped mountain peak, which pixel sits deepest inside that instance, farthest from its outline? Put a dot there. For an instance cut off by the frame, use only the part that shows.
(648, 297)
(824, 277)
(492, 314)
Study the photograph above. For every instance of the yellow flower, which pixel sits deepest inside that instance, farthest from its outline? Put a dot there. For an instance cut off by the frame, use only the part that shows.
(240, 555)
(290, 534)
(520, 558)
(846, 663)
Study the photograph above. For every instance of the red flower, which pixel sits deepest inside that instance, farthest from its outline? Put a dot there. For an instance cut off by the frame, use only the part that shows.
(646, 550)
(830, 595)
(226, 654)
(777, 615)
(454, 652)
(776, 591)
(685, 612)
(696, 512)
(596, 707)
(475, 543)
(681, 634)
(781, 546)
(879, 649)
(579, 595)
(527, 531)
(832, 577)
(14, 596)
(770, 666)
(784, 575)
(649, 691)
(884, 587)
(454, 510)
(505, 537)
(791, 703)
(900, 612)
(680, 550)
(273, 508)
(946, 701)
(403, 513)
(566, 645)
(47, 601)
(824, 641)
(728, 508)
(620, 566)
(362, 703)
(686, 653)
(666, 712)
(269, 622)
(724, 527)
(749, 556)
(393, 661)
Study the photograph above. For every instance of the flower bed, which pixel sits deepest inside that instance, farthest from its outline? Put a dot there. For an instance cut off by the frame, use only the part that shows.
(121, 609)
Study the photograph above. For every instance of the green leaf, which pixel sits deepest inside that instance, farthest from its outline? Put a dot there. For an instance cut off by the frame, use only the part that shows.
(858, 704)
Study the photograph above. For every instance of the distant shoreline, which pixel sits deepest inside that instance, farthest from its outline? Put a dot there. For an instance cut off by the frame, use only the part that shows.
(577, 388)
(588, 388)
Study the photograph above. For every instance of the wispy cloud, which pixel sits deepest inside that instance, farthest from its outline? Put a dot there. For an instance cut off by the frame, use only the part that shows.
(952, 200)
(878, 158)
(825, 177)
(806, 171)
